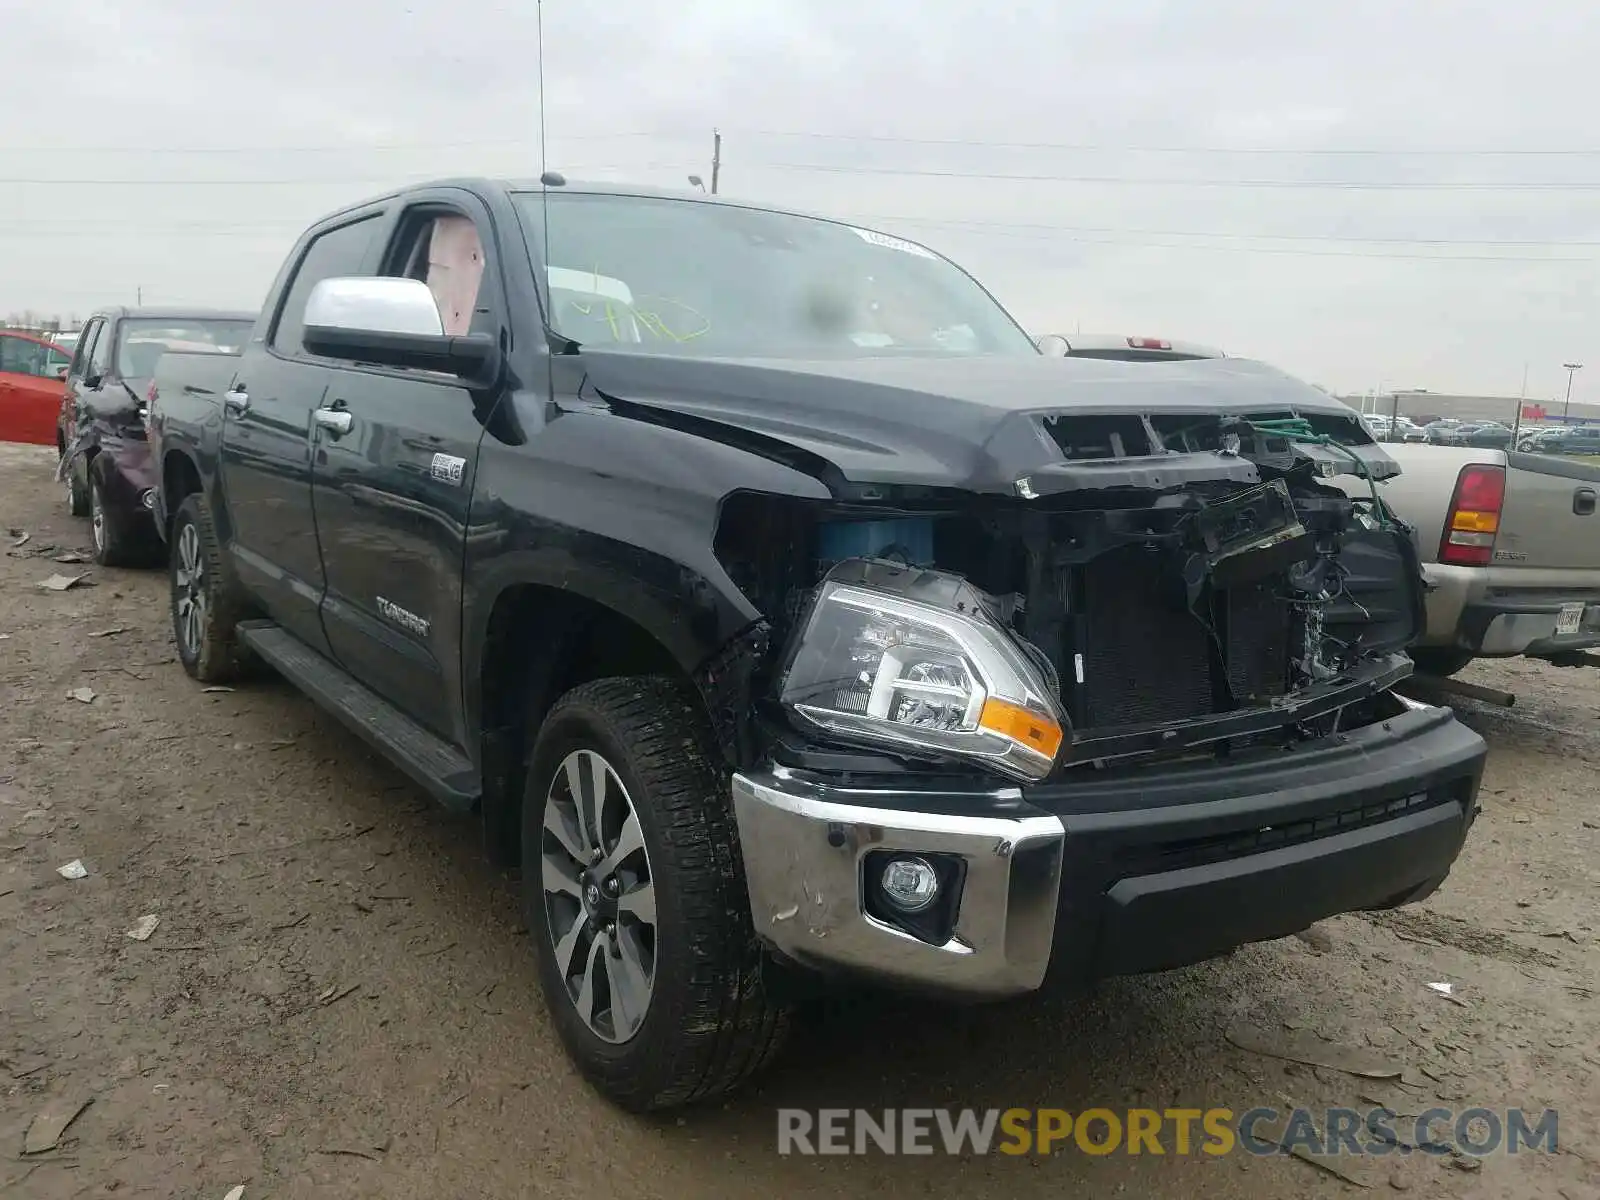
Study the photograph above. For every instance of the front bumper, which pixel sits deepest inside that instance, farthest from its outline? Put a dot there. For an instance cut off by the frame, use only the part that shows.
(1121, 872)
(1465, 612)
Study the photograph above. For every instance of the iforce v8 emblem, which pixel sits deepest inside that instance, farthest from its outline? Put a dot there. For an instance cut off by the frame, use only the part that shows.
(447, 468)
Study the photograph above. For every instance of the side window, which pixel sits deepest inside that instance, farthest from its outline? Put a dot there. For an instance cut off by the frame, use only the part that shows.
(85, 346)
(23, 356)
(338, 252)
(445, 251)
(11, 355)
(100, 353)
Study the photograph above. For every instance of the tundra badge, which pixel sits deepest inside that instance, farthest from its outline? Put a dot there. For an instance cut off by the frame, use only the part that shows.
(406, 620)
(447, 468)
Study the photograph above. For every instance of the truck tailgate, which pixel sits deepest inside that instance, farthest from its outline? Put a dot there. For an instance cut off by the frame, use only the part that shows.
(1547, 523)
(1549, 519)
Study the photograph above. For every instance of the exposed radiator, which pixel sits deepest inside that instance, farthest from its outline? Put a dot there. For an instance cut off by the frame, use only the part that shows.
(1147, 659)
(1144, 658)
(1258, 640)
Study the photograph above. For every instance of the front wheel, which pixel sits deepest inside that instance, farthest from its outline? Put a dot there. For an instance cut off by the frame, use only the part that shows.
(77, 490)
(634, 892)
(119, 539)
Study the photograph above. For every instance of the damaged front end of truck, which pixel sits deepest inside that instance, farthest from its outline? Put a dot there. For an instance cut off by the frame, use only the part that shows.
(1061, 670)
(1166, 586)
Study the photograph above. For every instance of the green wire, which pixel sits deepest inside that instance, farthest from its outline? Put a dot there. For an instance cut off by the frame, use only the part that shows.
(1298, 429)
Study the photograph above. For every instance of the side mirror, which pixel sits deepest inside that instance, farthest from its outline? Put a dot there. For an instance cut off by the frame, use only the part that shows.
(1053, 345)
(393, 323)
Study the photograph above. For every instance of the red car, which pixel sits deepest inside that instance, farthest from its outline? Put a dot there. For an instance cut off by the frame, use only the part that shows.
(33, 376)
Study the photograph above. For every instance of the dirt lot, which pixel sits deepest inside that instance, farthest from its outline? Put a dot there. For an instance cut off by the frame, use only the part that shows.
(338, 1000)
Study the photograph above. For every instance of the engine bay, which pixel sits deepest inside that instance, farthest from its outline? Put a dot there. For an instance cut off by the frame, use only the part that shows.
(1162, 619)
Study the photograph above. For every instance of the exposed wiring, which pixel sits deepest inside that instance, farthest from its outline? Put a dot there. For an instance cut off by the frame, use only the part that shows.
(1298, 429)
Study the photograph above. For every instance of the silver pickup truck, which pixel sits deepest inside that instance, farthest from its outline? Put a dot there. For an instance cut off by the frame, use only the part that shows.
(1510, 546)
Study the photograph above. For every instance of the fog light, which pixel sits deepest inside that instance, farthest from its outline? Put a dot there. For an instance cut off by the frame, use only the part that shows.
(910, 884)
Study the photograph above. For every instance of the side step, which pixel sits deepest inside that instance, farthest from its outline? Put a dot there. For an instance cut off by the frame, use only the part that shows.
(441, 769)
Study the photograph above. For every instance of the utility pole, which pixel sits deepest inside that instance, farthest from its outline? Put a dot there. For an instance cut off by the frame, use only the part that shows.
(1516, 423)
(1572, 369)
(716, 158)
(138, 293)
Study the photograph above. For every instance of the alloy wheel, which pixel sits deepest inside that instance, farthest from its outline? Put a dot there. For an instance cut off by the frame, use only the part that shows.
(189, 589)
(599, 896)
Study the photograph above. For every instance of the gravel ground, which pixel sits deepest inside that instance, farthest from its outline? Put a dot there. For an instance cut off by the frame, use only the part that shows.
(339, 1000)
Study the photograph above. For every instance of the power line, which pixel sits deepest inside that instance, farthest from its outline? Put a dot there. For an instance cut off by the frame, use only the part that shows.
(301, 181)
(1294, 252)
(1133, 148)
(1273, 237)
(905, 172)
(876, 139)
(1129, 180)
(330, 148)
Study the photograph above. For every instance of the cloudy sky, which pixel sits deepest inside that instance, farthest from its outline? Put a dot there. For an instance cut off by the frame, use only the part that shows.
(1377, 193)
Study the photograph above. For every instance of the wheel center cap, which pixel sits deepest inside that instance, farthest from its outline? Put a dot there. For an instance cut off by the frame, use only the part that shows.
(591, 896)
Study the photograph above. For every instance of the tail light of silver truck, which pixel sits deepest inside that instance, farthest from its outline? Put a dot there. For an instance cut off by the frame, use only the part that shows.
(1473, 519)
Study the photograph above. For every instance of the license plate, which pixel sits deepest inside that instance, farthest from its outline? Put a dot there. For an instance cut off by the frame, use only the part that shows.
(1570, 617)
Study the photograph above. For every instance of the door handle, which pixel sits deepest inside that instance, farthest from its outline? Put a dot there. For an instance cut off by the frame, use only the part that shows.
(236, 399)
(335, 421)
(1583, 502)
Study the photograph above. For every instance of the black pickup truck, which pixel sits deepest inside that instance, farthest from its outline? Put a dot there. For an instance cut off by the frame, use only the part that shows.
(789, 617)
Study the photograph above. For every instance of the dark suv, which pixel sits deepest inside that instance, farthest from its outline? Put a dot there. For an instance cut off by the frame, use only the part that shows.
(105, 462)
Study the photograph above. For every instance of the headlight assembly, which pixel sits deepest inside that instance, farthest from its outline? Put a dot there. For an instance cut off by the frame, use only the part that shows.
(935, 673)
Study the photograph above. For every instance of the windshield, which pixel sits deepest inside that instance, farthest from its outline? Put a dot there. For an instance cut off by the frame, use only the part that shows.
(146, 339)
(687, 277)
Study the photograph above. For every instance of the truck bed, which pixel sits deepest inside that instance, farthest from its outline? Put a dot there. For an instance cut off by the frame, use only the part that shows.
(1545, 568)
(185, 412)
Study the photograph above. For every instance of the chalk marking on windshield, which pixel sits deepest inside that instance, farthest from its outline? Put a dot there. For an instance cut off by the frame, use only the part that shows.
(892, 243)
(650, 321)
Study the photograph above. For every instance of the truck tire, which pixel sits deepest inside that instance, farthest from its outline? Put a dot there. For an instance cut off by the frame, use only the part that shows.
(206, 605)
(77, 491)
(640, 918)
(1439, 661)
(118, 539)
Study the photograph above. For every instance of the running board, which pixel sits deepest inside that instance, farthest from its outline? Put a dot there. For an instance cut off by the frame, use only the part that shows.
(438, 767)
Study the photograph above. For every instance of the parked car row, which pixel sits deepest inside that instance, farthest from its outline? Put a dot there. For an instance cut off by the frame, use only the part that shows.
(1387, 428)
(1560, 439)
(788, 616)
(99, 423)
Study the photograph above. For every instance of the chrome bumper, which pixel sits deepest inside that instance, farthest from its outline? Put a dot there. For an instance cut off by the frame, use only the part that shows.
(1494, 617)
(804, 847)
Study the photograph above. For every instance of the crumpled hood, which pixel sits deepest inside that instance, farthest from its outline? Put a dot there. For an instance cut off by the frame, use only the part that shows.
(972, 423)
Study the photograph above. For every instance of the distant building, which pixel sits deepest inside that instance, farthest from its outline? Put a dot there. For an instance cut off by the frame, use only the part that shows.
(1421, 406)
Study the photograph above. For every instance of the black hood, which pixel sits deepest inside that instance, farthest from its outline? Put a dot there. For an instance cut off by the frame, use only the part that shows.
(976, 423)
